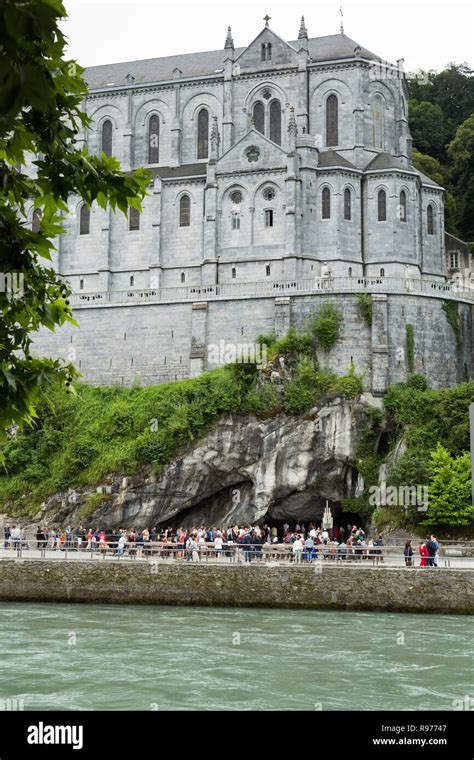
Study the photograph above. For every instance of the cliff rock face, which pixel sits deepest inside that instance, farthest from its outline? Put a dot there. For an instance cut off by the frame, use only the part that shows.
(245, 470)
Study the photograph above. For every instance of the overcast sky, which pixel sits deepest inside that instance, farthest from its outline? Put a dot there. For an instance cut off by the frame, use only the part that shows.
(426, 33)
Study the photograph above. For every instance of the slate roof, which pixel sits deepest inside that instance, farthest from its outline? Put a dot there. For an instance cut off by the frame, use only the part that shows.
(385, 161)
(186, 170)
(331, 47)
(330, 157)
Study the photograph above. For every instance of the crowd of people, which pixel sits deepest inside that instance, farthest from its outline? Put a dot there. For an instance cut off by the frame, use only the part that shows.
(302, 543)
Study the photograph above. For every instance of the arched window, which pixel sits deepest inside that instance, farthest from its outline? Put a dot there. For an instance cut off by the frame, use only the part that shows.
(430, 219)
(183, 277)
(107, 137)
(347, 203)
(203, 133)
(377, 122)
(84, 220)
(268, 270)
(153, 139)
(332, 107)
(403, 206)
(382, 272)
(349, 271)
(185, 211)
(275, 122)
(382, 206)
(259, 117)
(132, 280)
(269, 51)
(234, 273)
(264, 51)
(326, 203)
(36, 221)
(134, 219)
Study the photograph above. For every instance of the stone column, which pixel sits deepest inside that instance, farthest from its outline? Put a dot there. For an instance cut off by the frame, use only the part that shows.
(198, 351)
(155, 258)
(380, 358)
(282, 316)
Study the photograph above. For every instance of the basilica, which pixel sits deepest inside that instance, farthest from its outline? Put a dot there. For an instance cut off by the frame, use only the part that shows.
(267, 161)
(280, 175)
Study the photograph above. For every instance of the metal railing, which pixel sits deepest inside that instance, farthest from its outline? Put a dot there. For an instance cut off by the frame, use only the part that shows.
(375, 556)
(382, 285)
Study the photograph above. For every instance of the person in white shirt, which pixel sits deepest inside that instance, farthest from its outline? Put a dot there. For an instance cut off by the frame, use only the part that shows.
(297, 549)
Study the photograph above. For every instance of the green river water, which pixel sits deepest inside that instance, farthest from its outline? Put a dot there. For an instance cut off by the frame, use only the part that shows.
(72, 656)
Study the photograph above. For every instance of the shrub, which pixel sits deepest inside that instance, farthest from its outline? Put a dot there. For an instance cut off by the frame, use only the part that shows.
(365, 304)
(326, 326)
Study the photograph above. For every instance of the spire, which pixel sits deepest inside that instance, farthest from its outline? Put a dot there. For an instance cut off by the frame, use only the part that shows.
(303, 32)
(292, 126)
(215, 140)
(342, 20)
(229, 42)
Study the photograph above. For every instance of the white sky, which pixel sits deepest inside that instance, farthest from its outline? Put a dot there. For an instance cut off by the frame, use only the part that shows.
(426, 33)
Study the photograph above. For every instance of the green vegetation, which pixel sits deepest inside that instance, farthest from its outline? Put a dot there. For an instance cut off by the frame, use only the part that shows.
(428, 419)
(79, 439)
(41, 97)
(365, 304)
(449, 489)
(441, 118)
(326, 326)
(410, 346)
(451, 309)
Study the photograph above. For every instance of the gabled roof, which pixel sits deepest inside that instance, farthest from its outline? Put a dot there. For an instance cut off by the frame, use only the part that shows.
(171, 172)
(386, 161)
(328, 158)
(331, 47)
(268, 33)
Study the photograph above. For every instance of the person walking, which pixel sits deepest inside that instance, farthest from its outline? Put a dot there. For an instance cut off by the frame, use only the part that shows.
(432, 547)
(408, 552)
(121, 545)
(423, 552)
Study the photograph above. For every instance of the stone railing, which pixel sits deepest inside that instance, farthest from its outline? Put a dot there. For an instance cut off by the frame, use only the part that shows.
(275, 288)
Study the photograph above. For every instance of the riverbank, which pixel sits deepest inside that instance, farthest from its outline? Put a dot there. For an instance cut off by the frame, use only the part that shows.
(440, 590)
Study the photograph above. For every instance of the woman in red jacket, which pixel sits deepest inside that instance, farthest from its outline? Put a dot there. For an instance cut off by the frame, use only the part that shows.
(423, 553)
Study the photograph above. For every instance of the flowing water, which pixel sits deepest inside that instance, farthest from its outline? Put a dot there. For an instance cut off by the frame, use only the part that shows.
(72, 656)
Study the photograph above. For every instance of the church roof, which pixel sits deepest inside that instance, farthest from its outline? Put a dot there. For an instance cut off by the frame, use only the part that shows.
(385, 161)
(331, 47)
(328, 158)
(172, 172)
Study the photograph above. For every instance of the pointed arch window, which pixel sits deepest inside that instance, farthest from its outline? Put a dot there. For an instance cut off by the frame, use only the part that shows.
(259, 117)
(84, 220)
(430, 220)
(377, 122)
(275, 122)
(332, 121)
(326, 203)
(185, 211)
(266, 51)
(347, 204)
(403, 206)
(382, 206)
(134, 219)
(106, 138)
(36, 221)
(154, 139)
(203, 133)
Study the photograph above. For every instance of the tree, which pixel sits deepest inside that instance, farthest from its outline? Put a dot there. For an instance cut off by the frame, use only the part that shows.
(461, 153)
(449, 489)
(427, 127)
(40, 119)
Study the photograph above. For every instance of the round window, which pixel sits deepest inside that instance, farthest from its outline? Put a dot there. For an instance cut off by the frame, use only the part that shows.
(252, 154)
(269, 193)
(236, 197)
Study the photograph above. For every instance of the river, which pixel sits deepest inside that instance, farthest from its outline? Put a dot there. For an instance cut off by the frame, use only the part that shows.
(72, 656)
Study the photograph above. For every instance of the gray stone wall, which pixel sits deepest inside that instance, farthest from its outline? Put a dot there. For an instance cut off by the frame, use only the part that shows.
(160, 342)
(316, 587)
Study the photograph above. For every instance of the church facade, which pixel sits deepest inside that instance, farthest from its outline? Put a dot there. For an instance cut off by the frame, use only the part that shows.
(281, 174)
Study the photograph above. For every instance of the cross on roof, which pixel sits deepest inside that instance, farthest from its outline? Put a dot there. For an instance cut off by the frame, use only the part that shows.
(266, 19)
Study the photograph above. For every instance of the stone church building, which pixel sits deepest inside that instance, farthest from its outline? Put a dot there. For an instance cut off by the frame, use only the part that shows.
(281, 177)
